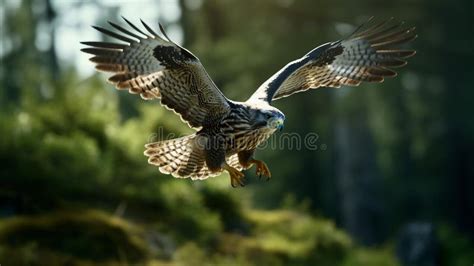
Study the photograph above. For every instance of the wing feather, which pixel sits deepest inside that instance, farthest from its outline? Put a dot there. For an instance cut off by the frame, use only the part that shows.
(368, 55)
(158, 68)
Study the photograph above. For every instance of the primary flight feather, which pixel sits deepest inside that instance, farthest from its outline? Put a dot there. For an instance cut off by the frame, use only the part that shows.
(228, 132)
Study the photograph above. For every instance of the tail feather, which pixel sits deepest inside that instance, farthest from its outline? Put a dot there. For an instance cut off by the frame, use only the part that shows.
(182, 158)
(175, 156)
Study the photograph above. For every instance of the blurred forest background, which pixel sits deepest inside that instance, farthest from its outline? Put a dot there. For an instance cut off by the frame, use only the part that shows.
(391, 183)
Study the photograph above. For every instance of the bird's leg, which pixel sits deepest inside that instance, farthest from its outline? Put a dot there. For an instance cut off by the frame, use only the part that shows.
(246, 160)
(236, 177)
(262, 168)
(216, 161)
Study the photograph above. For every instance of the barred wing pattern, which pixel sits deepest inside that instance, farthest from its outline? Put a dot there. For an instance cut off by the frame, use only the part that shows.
(369, 54)
(182, 158)
(157, 68)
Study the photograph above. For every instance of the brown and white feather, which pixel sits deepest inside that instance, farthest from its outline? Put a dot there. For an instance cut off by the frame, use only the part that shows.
(369, 55)
(184, 158)
(157, 68)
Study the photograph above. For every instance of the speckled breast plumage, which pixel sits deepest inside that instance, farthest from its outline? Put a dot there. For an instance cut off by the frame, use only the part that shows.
(248, 140)
(238, 132)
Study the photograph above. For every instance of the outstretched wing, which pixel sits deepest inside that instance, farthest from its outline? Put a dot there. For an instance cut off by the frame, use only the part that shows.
(157, 68)
(369, 54)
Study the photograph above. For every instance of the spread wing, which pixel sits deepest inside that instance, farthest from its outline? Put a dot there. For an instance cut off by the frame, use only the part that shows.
(369, 54)
(157, 68)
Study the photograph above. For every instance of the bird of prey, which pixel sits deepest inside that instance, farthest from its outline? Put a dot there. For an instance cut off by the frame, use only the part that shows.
(227, 131)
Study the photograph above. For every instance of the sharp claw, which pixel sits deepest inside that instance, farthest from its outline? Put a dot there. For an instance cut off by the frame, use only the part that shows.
(241, 183)
(261, 169)
(236, 177)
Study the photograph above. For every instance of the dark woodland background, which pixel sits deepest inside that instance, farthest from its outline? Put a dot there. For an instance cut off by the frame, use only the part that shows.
(392, 182)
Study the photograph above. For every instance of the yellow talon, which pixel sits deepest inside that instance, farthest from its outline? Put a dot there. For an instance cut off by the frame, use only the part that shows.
(262, 169)
(236, 177)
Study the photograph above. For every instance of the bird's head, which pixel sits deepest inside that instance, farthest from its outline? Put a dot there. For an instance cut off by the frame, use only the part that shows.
(270, 118)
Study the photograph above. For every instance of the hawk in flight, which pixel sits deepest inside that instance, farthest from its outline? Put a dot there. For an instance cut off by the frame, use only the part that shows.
(227, 131)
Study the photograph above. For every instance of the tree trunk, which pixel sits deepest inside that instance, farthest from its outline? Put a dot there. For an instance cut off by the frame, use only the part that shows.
(358, 179)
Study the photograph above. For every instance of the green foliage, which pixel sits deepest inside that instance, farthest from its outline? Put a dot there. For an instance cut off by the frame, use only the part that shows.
(370, 257)
(456, 249)
(190, 254)
(92, 237)
(297, 237)
(62, 237)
